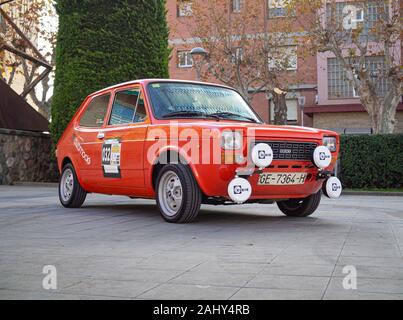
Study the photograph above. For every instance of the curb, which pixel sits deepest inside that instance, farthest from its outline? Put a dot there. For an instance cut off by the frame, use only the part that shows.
(35, 184)
(372, 193)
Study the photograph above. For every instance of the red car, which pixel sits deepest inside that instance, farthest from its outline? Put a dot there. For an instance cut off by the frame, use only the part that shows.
(187, 143)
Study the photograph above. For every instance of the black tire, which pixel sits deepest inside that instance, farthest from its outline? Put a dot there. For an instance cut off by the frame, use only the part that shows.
(191, 195)
(78, 194)
(300, 207)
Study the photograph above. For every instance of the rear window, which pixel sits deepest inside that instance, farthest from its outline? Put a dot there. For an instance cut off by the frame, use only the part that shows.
(95, 113)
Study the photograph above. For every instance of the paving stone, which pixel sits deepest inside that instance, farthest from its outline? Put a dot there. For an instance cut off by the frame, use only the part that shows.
(191, 291)
(118, 248)
(289, 282)
(275, 294)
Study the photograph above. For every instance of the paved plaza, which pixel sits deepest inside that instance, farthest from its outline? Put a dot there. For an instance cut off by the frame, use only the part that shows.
(118, 248)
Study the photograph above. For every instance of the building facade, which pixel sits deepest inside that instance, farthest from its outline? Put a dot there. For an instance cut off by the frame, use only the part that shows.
(321, 97)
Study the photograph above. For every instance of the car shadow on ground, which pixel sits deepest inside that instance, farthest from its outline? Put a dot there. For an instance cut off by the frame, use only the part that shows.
(208, 214)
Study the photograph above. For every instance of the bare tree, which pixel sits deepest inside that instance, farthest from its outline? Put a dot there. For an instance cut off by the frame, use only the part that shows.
(231, 43)
(355, 33)
(29, 17)
(241, 52)
(279, 59)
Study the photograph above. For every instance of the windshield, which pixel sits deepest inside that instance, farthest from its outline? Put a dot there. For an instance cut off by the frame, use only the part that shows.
(186, 100)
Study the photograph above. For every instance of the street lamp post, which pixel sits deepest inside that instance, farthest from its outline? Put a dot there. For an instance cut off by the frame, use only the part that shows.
(198, 55)
(301, 103)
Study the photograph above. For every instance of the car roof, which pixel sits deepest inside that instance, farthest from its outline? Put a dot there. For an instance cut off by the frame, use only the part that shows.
(147, 81)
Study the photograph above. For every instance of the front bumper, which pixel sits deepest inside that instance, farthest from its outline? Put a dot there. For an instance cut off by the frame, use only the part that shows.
(214, 180)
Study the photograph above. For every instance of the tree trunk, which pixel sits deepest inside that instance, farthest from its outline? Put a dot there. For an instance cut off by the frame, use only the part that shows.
(382, 111)
(280, 109)
(383, 118)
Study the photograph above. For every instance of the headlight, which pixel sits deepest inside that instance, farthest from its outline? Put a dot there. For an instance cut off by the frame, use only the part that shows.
(231, 140)
(331, 143)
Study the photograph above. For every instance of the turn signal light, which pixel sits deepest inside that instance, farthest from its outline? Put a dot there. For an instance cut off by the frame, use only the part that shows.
(232, 158)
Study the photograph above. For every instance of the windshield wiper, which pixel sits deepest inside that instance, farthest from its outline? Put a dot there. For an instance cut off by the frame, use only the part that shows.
(231, 114)
(184, 113)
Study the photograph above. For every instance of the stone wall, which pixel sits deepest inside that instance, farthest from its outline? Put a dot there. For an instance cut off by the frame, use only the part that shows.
(26, 157)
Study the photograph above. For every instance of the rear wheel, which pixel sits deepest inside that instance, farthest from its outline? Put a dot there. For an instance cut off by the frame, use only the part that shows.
(300, 207)
(71, 194)
(178, 194)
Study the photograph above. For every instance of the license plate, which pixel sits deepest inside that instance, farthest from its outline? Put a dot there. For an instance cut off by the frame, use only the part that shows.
(282, 178)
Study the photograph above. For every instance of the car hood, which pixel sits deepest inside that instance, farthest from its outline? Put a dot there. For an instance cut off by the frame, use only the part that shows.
(293, 132)
(262, 131)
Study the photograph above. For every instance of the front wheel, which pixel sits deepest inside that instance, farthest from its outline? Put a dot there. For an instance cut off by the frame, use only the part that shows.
(178, 194)
(71, 194)
(300, 207)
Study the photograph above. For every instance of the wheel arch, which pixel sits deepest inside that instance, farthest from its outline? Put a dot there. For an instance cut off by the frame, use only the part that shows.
(169, 156)
(65, 161)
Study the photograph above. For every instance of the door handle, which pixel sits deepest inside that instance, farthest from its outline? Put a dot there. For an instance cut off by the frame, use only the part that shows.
(101, 135)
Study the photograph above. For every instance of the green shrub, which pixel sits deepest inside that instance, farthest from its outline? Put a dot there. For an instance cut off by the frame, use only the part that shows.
(371, 161)
(104, 42)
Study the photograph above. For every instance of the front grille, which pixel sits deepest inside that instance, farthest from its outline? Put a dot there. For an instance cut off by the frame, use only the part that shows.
(288, 150)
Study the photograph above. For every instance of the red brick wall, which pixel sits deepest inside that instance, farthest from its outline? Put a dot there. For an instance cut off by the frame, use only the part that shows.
(306, 74)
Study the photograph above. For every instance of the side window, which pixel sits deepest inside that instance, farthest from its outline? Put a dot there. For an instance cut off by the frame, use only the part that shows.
(128, 107)
(95, 113)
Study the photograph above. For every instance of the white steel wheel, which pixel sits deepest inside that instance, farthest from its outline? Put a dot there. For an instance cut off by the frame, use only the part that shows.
(178, 194)
(67, 185)
(170, 193)
(71, 194)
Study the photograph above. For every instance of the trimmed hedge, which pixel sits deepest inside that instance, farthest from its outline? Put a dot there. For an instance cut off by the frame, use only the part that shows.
(371, 161)
(104, 42)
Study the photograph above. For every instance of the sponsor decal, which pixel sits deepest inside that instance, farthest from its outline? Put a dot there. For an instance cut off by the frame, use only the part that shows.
(335, 187)
(238, 189)
(111, 155)
(262, 154)
(323, 156)
(81, 151)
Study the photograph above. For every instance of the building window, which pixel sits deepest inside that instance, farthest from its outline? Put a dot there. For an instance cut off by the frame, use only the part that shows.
(185, 59)
(350, 16)
(339, 87)
(237, 6)
(292, 111)
(284, 58)
(237, 55)
(184, 8)
(19, 10)
(278, 8)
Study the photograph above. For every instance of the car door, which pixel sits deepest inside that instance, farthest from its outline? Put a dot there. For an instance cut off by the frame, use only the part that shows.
(86, 142)
(122, 150)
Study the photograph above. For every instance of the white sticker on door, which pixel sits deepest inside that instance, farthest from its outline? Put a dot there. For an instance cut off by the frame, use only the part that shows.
(111, 155)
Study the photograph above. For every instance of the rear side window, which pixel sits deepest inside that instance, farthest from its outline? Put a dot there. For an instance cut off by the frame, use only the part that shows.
(95, 113)
(128, 107)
